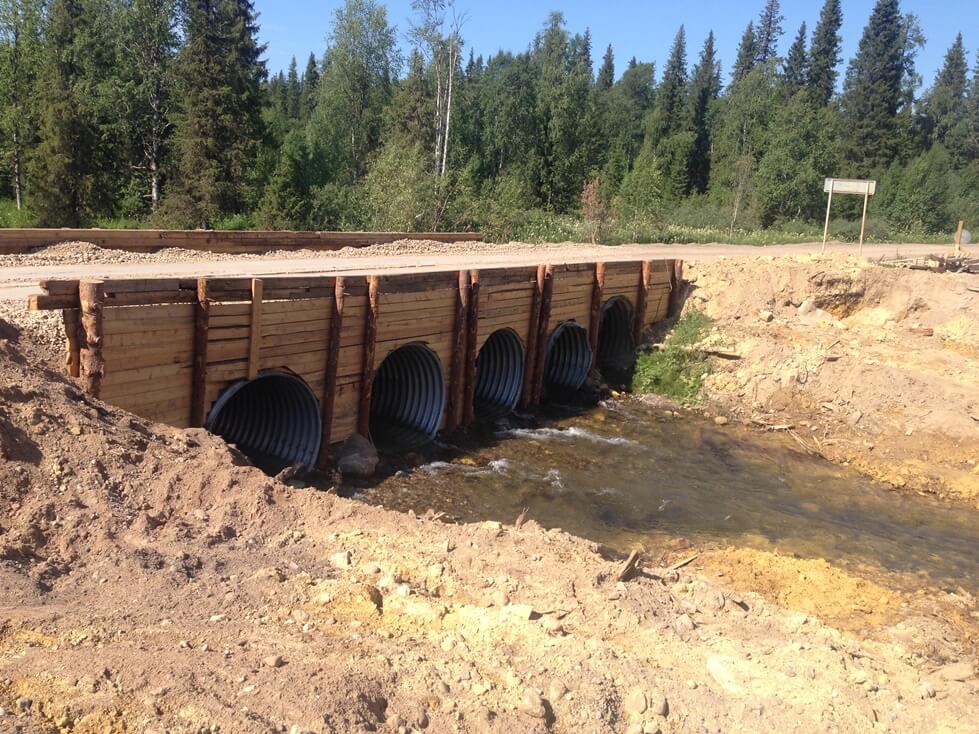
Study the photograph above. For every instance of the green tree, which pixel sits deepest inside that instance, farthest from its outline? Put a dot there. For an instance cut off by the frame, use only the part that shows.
(20, 57)
(972, 116)
(286, 201)
(293, 90)
(309, 84)
(873, 92)
(747, 51)
(77, 164)
(794, 71)
(824, 53)
(606, 74)
(769, 32)
(944, 109)
(398, 189)
(915, 196)
(705, 87)
(669, 114)
(408, 117)
(640, 198)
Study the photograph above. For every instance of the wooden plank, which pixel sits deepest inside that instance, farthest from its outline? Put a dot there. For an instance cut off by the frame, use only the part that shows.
(471, 339)
(255, 330)
(546, 290)
(91, 296)
(201, 326)
(527, 393)
(676, 289)
(597, 294)
(642, 300)
(72, 320)
(457, 380)
(330, 378)
(370, 344)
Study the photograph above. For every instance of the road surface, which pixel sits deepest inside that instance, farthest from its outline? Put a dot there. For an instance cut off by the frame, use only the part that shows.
(21, 280)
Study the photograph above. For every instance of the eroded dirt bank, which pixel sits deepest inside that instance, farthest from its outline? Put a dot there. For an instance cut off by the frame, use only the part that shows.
(152, 581)
(873, 367)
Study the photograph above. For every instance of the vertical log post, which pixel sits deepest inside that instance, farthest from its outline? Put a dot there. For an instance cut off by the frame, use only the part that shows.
(545, 284)
(642, 303)
(457, 380)
(202, 318)
(676, 289)
(255, 331)
(595, 320)
(330, 379)
(91, 296)
(367, 368)
(530, 358)
(472, 338)
(958, 238)
(71, 317)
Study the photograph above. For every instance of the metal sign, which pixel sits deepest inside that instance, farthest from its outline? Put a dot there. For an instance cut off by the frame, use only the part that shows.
(850, 186)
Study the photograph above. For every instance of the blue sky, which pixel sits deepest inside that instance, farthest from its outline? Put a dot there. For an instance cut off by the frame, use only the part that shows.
(643, 29)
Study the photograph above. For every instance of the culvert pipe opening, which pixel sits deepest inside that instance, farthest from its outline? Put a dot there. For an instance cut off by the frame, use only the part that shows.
(407, 399)
(499, 375)
(616, 348)
(274, 419)
(568, 361)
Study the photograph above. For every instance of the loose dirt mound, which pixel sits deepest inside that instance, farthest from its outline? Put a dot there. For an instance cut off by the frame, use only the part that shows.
(73, 253)
(872, 366)
(150, 580)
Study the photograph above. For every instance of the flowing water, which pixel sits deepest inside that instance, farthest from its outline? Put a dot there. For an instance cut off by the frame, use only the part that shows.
(623, 475)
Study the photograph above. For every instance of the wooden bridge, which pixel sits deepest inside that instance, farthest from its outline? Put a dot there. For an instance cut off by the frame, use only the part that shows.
(286, 366)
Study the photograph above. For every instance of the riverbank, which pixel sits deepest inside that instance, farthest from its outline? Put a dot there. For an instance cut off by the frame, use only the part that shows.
(870, 367)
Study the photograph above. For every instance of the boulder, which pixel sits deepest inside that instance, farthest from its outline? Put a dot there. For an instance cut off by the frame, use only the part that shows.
(357, 458)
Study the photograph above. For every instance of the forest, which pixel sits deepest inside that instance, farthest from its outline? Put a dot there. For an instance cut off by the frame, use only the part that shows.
(162, 113)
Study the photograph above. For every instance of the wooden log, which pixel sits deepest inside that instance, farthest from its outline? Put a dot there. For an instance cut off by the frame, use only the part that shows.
(595, 320)
(370, 344)
(255, 331)
(546, 286)
(330, 379)
(642, 301)
(530, 359)
(457, 385)
(202, 314)
(72, 319)
(676, 289)
(91, 362)
(472, 338)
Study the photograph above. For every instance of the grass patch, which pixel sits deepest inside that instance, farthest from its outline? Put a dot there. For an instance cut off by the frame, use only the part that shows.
(10, 216)
(675, 371)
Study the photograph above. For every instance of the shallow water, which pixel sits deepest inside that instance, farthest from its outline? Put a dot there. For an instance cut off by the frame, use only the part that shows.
(623, 475)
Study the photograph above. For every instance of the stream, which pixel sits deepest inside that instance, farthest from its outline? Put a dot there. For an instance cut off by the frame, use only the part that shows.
(624, 475)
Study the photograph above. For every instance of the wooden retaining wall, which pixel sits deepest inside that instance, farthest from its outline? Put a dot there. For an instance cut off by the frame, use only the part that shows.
(166, 348)
(150, 240)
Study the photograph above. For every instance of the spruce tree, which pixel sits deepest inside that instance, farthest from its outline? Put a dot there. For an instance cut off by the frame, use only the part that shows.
(219, 127)
(606, 74)
(669, 113)
(769, 32)
(293, 90)
(309, 83)
(745, 60)
(794, 72)
(945, 106)
(824, 53)
(705, 86)
(972, 115)
(873, 91)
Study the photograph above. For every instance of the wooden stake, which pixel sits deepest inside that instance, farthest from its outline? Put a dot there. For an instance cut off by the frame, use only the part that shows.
(330, 379)
(370, 345)
(958, 238)
(457, 384)
(594, 324)
(91, 295)
(642, 301)
(472, 337)
(530, 358)
(71, 317)
(202, 318)
(545, 284)
(829, 204)
(255, 331)
(863, 220)
(676, 289)
(630, 567)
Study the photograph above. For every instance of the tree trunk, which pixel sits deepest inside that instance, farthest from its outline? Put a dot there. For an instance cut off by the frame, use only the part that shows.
(448, 109)
(18, 172)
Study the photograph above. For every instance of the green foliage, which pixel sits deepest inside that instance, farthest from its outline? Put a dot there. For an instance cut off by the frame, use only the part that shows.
(642, 191)
(11, 216)
(916, 197)
(399, 190)
(676, 371)
(824, 53)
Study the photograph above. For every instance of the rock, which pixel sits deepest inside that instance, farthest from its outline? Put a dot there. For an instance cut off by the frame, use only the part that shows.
(657, 704)
(635, 704)
(957, 671)
(650, 727)
(557, 690)
(23, 703)
(683, 624)
(357, 458)
(533, 705)
(395, 721)
(216, 618)
(519, 611)
(766, 316)
(807, 306)
(274, 661)
(341, 559)
(721, 420)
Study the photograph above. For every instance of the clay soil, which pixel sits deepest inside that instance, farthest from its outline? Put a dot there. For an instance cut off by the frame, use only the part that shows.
(868, 366)
(151, 580)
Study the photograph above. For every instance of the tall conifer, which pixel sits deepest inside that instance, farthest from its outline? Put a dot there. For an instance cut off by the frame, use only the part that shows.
(824, 53)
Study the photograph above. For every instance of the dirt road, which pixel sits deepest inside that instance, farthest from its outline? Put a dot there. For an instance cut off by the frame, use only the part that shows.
(19, 274)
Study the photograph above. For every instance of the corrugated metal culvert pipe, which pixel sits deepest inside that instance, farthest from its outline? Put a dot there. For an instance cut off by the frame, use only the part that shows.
(499, 375)
(273, 419)
(569, 359)
(407, 399)
(616, 350)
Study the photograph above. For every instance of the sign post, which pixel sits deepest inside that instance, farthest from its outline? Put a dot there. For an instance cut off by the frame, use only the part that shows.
(848, 186)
